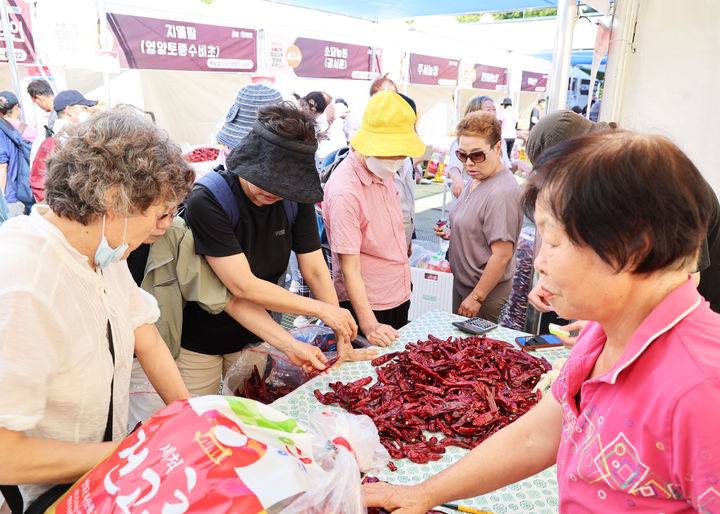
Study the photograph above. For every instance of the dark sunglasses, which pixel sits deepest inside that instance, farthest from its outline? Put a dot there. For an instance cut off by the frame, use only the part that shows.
(476, 157)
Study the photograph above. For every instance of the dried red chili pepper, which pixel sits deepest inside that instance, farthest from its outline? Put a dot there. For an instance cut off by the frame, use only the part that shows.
(466, 389)
(316, 372)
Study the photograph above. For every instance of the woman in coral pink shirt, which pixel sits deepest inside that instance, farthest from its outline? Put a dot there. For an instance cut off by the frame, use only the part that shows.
(632, 422)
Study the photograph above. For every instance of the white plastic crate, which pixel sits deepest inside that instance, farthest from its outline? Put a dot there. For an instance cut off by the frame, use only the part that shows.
(432, 291)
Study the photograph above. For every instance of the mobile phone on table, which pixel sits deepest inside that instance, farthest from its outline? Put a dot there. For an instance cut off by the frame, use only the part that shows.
(538, 342)
(475, 325)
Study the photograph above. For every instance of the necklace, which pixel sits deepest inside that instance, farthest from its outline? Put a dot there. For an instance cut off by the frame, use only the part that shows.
(473, 187)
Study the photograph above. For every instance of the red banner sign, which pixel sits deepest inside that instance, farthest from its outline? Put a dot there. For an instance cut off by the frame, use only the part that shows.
(535, 82)
(316, 58)
(490, 77)
(433, 71)
(20, 33)
(155, 44)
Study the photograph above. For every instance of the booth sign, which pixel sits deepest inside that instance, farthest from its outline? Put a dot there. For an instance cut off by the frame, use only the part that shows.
(534, 82)
(315, 58)
(490, 77)
(433, 71)
(157, 44)
(20, 32)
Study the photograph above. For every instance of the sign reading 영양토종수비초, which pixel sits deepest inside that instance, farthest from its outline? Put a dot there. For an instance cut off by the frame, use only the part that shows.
(156, 44)
(490, 77)
(20, 32)
(433, 71)
(533, 82)
(315, 58)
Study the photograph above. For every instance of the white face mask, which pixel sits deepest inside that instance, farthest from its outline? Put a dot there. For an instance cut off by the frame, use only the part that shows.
(321, 123)
(83, 116)
(384, 168)
(105, 255)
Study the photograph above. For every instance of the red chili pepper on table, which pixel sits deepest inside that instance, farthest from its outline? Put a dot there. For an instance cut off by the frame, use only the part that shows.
(464, 388)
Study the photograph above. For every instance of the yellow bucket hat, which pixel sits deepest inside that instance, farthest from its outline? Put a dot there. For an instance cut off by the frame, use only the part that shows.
(388, 128)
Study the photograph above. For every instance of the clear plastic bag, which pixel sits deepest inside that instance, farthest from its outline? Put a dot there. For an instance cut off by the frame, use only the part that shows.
(265, 374)
(346, 445)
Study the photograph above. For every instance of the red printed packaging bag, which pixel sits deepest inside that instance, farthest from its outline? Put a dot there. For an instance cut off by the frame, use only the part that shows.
(207, 454)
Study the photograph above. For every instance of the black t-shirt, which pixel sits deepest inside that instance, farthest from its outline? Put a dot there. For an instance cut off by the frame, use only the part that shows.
(710, 275)
(137, 260)
(263, 235)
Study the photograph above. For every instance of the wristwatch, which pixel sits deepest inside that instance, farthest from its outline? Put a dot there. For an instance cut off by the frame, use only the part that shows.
(475, 297)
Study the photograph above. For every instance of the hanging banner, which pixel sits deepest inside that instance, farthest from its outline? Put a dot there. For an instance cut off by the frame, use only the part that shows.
(533, 82)
(316, 58)
(157, 44)
(490, 77)
(20, 32)
(433, 71)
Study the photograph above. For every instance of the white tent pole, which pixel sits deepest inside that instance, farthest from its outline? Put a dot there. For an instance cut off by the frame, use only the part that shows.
(557, 97)
(10, 50)
(102, 15)
(622, 30)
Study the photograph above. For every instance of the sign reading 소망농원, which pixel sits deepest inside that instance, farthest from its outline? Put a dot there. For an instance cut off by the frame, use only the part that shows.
(22, 40)
(157, 44)
(317, 58)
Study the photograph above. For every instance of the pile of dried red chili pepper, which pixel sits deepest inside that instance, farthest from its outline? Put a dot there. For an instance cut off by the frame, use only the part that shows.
(464, 388)
(202, 154)
(256, 388)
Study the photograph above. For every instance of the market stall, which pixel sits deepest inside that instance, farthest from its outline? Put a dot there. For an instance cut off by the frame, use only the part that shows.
(538, 493)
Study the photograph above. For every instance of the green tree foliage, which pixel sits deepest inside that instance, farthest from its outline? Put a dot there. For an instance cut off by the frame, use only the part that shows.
(510, 15)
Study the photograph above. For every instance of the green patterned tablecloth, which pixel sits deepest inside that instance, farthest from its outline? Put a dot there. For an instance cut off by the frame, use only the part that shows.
(535, 494)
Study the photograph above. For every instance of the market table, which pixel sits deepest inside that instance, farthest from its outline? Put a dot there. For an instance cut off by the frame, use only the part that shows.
(538, 493)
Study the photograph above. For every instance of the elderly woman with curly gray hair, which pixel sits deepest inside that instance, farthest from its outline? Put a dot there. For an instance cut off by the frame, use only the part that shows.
(71, 315)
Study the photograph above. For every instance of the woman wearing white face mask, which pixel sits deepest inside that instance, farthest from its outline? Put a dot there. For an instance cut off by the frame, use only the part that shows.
(485, 221)
(71, 316)
(363, 219)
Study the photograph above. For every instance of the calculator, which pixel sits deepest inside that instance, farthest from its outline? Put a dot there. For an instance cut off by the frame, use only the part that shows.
(475, 325)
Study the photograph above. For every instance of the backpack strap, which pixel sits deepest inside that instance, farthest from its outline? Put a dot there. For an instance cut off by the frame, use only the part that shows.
(220, 189)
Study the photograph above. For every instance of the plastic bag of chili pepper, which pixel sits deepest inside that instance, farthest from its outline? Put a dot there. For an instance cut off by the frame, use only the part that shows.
(265, 374)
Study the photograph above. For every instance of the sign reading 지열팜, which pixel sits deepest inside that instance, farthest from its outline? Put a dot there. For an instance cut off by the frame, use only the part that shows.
(157, 44)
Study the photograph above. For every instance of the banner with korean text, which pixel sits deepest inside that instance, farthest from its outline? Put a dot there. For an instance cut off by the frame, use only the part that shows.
(533, 82)
(157, 44)
(316, 58)
(490, 77)
(433, 71)
(20, 33)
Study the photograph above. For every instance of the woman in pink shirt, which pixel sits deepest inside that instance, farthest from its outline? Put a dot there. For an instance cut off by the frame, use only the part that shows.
(632, 422)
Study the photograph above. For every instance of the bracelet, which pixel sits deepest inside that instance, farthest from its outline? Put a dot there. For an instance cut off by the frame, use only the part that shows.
(475, 297)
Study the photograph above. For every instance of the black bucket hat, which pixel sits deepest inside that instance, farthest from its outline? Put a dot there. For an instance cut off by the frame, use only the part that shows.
(283, 167)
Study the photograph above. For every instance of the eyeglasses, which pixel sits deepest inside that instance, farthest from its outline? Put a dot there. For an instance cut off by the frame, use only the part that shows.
(173, 214)
(475, 157)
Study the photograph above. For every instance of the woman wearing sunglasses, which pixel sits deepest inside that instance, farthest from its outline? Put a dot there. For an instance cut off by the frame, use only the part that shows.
(485, 221)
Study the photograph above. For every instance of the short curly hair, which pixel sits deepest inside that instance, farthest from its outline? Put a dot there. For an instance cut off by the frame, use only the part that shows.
(114, 150)
(480, 124)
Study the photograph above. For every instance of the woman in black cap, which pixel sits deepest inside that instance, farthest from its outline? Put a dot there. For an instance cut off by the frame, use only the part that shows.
(247, 237)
